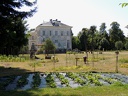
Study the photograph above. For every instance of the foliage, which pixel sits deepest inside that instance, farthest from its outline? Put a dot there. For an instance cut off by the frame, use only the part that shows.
(123, 4)
(10, 58)
(22, 81)
(115, 33)
(92, 39)
(13, 25)
(36, 80)
(126, 45)
(34, 65)
(76, 42)
(119, 45)
(48, 46)
(50, 81)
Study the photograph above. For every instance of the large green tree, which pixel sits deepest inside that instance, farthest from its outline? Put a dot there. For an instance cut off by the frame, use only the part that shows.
(48, 46)
(92, 31)
(76, 42)
(116, 34)
(103, 36)
(13, 27)
(83, 37)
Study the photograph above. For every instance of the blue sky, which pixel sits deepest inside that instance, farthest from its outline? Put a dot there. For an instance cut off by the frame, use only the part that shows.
(81, 13)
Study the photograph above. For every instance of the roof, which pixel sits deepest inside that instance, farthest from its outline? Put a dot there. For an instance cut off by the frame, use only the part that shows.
(55, 23)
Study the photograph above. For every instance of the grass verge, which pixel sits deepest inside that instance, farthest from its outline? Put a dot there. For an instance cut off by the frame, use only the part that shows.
(112, 90)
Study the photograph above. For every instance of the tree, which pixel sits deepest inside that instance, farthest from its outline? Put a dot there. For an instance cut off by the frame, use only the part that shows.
(119, 45)
(103, 37)
(48, 46)
(104, 43)
(92, 31)
(76, 43)
(83, 37)
(123, 4)
(13, 25)
(116, 34)
(126, 45)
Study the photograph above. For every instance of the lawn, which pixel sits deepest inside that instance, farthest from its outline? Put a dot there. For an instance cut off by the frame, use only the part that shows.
(105, 62)
(80, 91)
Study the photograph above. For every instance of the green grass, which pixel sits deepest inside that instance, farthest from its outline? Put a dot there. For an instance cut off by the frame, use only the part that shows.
(80, 91)
(123, 60)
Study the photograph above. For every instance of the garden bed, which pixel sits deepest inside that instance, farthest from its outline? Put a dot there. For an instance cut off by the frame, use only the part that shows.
(60, 80)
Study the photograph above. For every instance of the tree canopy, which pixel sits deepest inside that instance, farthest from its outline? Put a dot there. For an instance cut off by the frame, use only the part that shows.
(93, 39)
(13, 25)
(48, 46)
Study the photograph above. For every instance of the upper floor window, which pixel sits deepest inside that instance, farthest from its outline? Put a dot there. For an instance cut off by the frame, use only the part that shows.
(56, 32)
(61, 33)
(43, 32)
(67, 33)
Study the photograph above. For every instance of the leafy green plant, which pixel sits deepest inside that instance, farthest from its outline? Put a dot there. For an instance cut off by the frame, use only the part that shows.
(50, 81)
(36, 80)
(22, 81)
(34, 65)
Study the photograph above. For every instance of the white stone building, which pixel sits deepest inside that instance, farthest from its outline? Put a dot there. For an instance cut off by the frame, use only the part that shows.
(59, 33)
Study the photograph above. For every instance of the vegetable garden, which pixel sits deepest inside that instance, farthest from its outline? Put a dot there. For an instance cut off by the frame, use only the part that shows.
(61, 80)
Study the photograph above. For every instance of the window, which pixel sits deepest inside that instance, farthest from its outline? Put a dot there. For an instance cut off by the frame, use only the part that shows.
(68, 44)
(67, 33)
(56, 32)
(56, 41)
(43, 32)
(50, 33)
(61, 33)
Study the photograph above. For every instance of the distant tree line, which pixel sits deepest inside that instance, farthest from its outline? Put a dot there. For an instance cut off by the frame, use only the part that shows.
(93, 39)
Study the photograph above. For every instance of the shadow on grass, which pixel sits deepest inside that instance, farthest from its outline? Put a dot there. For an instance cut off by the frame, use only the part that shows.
(16, 93)
(12, 71)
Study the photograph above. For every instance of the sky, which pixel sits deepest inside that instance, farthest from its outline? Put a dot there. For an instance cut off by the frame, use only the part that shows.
(81, 13)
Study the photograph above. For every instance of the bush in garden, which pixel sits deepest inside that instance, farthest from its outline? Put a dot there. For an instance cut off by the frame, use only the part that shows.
(52, 85)
(36, 80)
(22, 81)
(50, 81)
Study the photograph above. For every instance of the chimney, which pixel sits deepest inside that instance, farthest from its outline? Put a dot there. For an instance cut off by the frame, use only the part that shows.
(51, 20)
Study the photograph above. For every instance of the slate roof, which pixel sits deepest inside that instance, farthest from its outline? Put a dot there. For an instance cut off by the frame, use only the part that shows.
(54, 23)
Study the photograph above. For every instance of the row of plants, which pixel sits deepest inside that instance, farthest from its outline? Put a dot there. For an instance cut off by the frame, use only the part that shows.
(7, 80)
(94, 78)
(36, 80)
(82, 78)
(22, 80)
(50, 81)
(62, 79)
(91, 78)
(76, 78)
(10, 58)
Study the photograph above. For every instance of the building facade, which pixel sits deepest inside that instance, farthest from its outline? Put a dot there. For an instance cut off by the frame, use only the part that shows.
(60, 34)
